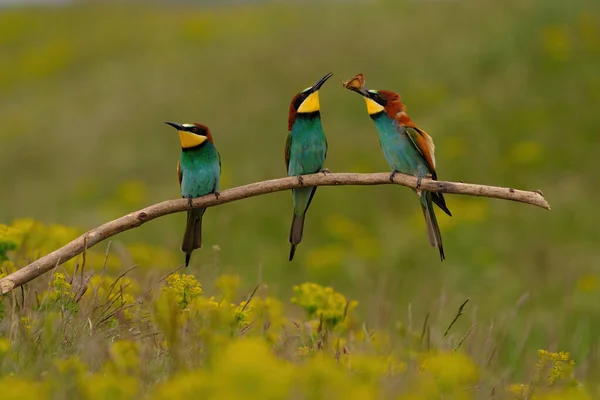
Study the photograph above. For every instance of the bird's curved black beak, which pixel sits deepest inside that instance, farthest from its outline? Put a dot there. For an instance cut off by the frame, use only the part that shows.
(362, 90)
(175, 125)
(357, 84)
(321, 81)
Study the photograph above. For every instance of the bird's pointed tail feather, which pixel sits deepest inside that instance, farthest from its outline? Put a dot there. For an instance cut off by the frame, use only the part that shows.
(433, 229)
(192, 238)
(296, 232)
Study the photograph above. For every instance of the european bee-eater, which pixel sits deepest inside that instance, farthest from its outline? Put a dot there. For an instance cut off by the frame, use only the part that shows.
(407, 148)
(199, 172)
(305, 152)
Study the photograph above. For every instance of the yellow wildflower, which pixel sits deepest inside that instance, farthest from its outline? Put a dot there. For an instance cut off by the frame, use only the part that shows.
(319, 301)
(26, 323)
(552, 368)
(185, 288)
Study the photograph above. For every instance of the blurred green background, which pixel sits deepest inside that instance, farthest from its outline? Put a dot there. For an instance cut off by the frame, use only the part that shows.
(510, 92)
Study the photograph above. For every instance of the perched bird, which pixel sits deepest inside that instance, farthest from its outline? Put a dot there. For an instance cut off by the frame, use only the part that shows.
(305, 152)
(199, 172)
(407, 148)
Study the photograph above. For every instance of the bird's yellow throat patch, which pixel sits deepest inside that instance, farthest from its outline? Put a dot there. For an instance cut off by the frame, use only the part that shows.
(311, 104)
(189, 139)
(373, 107)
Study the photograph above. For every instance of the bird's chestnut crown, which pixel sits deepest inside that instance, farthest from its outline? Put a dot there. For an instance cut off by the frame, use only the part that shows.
(377, 100)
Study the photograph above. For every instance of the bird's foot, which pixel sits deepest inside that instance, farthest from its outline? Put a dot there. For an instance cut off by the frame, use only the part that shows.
(190, 202)
(419, 179)
(324, 171)
(300, 180)
(392, 175)
(217, 194)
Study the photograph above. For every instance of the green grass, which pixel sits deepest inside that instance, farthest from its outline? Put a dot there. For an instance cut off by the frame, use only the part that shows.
(508, 90)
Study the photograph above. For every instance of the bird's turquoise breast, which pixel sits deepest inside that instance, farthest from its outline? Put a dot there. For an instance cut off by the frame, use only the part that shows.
(399, 151)
(200, 170)
(308, 147)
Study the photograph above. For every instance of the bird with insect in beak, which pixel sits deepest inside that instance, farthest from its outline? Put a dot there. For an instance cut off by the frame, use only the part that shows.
(199, 172)
(407, 148)
(305, 152)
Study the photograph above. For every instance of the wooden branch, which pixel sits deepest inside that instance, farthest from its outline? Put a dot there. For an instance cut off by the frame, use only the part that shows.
(137, 218)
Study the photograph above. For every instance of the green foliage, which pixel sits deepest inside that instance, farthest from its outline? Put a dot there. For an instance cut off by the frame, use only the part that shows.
(186, 343)
(90, 335)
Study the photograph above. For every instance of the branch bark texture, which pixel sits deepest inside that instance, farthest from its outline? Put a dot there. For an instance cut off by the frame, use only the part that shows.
(137, 218)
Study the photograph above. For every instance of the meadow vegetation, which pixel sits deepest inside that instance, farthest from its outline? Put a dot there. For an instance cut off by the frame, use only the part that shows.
(508, 90)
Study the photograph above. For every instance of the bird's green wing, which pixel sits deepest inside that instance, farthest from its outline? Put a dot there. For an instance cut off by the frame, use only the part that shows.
(424, 144)
(288, 145)
(218, 178)
(179, 172)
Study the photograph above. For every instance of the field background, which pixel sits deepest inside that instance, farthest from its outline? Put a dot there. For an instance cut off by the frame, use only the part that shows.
(510, 92)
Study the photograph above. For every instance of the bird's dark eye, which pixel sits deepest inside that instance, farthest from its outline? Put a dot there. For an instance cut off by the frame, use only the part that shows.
(300, 99)
(379, 99)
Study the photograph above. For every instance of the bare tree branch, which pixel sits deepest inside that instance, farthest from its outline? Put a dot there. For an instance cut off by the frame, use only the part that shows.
(137, 218)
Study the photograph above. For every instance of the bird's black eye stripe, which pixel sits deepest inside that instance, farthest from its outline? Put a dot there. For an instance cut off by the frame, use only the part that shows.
(299, 100)
(379, 99)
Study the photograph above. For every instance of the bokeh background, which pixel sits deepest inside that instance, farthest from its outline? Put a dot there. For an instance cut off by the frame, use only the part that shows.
(510, 92)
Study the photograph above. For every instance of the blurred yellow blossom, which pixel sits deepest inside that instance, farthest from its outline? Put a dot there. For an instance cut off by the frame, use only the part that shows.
(465, 210)
(124, 358)
(31, 236)
(98, 261)
(519, 390)
(4, 346)
(72, 366)
(327, 257)
(7, 267)
(553, 368)
(372, 368)
(526, 152)
(59, 294)
(26, 323)
(589, 30)
(451, 370)
(148, 256)
(228, 284)
(132, 193)
(556, 42)
(185, 288)
(17, 388)
(587, 283)
(343, 227)
(453, 147)
(572, 393)
(320, 377)
(302, 351)
(186, 386)
(256, 372)
(103, 386)
(242, 311)
(102, 284)
(319, 301)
